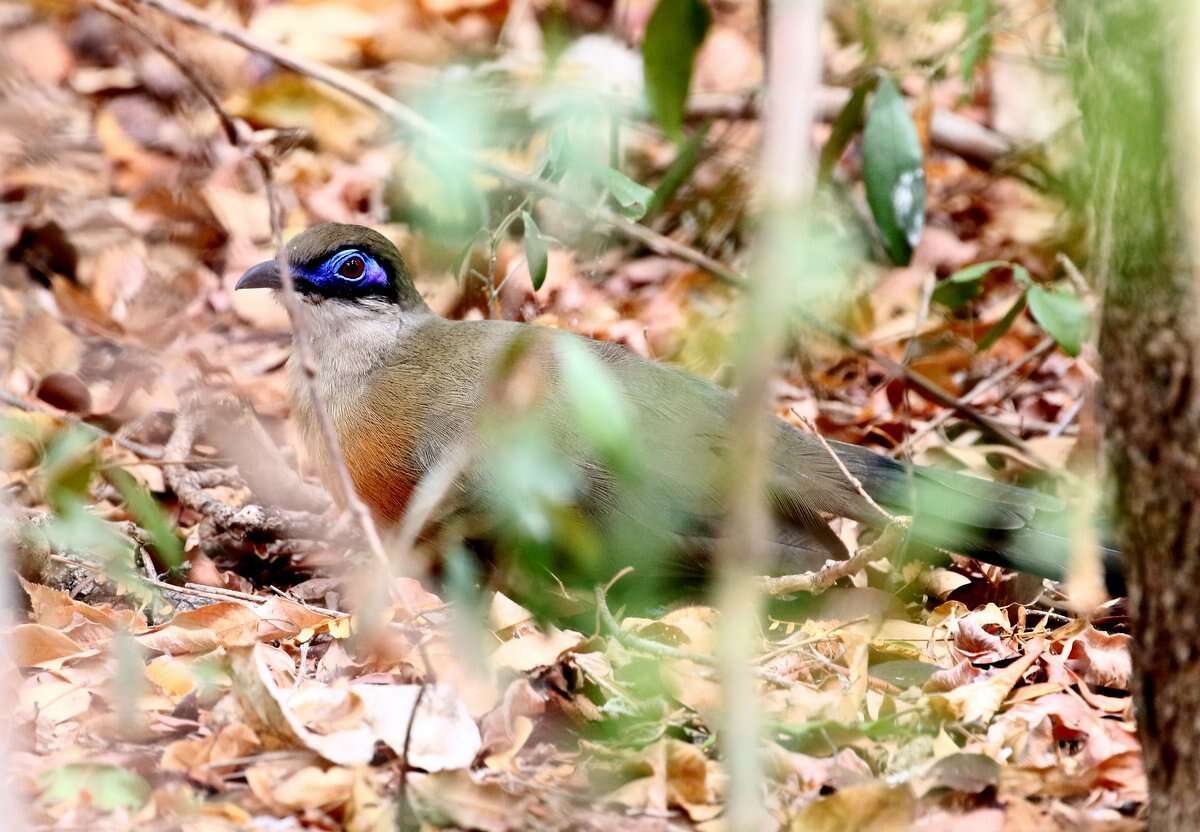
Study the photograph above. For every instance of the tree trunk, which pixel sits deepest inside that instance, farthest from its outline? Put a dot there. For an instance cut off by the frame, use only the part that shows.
(1122, 53)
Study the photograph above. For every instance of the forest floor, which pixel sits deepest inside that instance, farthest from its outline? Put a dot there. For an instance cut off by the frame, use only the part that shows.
(239, 692)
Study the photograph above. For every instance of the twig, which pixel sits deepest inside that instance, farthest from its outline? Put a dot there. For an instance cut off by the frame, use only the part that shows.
(1065, 420)
(948, 130)
(402, 814)
(212, 594)
(188, 486)
(164, 47)
(303, 346)
(837, 460)
(834, 570)
(1045, 346)
(391, 108)
(240, 138)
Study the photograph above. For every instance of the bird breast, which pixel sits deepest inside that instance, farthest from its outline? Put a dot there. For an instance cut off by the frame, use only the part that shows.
(375, 439)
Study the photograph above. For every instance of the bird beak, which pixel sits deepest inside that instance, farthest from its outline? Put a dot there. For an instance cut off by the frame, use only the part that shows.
(265, 275)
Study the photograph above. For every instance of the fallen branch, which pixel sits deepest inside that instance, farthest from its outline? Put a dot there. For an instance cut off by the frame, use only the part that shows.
(189, 487)
(975, 393)
(891, 540)
(417, 124)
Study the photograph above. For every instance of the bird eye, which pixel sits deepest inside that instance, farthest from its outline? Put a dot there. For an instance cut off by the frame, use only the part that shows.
(353, 268)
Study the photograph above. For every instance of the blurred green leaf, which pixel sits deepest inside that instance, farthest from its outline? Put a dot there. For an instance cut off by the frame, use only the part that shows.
(1003, 325)
(848, 122)
(964, 284)
(462, 577)
(554, 160)
(149, 515)
(1062, 314)
(531, 481)
(673, 35)
(464, 255)
(107, 787)
(536, 256)
(978, 36)
(680, 170)
(600, 410)
(632, 198)
(68, 466)
(1021, 275)
(76, 529)
(894, 177)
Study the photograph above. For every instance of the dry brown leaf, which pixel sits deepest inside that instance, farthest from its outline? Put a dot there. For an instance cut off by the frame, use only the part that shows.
(979, 701)
(36, 644)
(457, 798)
(504, 613)
(231, 624)
(535, 649)
(343, 723)
(51, 699)
(505, 730)
(874, 806)
(314, 788)
(55, 608)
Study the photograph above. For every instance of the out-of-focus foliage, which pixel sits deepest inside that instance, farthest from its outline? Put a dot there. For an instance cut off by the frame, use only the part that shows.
(893, 172)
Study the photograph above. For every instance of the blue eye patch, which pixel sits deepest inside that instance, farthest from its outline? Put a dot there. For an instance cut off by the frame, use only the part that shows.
(347, 273)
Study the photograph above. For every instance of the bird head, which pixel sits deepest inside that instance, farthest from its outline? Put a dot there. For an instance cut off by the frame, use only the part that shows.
(347, 264)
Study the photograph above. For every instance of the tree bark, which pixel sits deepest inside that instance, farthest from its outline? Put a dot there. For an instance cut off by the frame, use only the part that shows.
(1122, 53)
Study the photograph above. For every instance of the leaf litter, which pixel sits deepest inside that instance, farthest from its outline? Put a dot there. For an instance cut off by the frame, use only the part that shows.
(255, 695)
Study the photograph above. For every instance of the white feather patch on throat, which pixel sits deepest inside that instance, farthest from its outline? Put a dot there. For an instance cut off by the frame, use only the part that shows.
(350, 340)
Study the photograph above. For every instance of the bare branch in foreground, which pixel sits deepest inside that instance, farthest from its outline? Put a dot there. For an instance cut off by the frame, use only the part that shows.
(891, 540)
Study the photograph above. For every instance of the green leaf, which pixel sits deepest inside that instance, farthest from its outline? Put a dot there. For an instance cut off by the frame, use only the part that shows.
(1062, 314)
(673, 36)
(600, 410)
(464, 255)
(965, 284)
(68, 466)
(848, 122)
(149, 515)
(680, 170)
(107, 787)
(554, 160)
(892, 170)
(978, 41)
(630, 196)
(536, 256)
(1003, 325)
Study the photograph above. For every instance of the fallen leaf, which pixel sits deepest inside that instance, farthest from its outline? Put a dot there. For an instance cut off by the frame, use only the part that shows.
(343, 723)
(457, 798)
(532, 650)
(35, 644)
(979, 701)
(874, 806)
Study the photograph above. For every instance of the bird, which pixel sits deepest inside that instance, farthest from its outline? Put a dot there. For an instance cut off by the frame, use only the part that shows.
(403, 386)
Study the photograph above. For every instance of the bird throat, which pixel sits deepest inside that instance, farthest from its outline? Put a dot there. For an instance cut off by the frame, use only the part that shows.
(354, 341)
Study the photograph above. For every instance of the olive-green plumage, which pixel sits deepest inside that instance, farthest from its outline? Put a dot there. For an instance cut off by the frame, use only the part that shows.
(403, 385)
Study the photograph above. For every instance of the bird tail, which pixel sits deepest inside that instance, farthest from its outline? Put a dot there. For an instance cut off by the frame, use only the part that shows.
(1017, 528)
